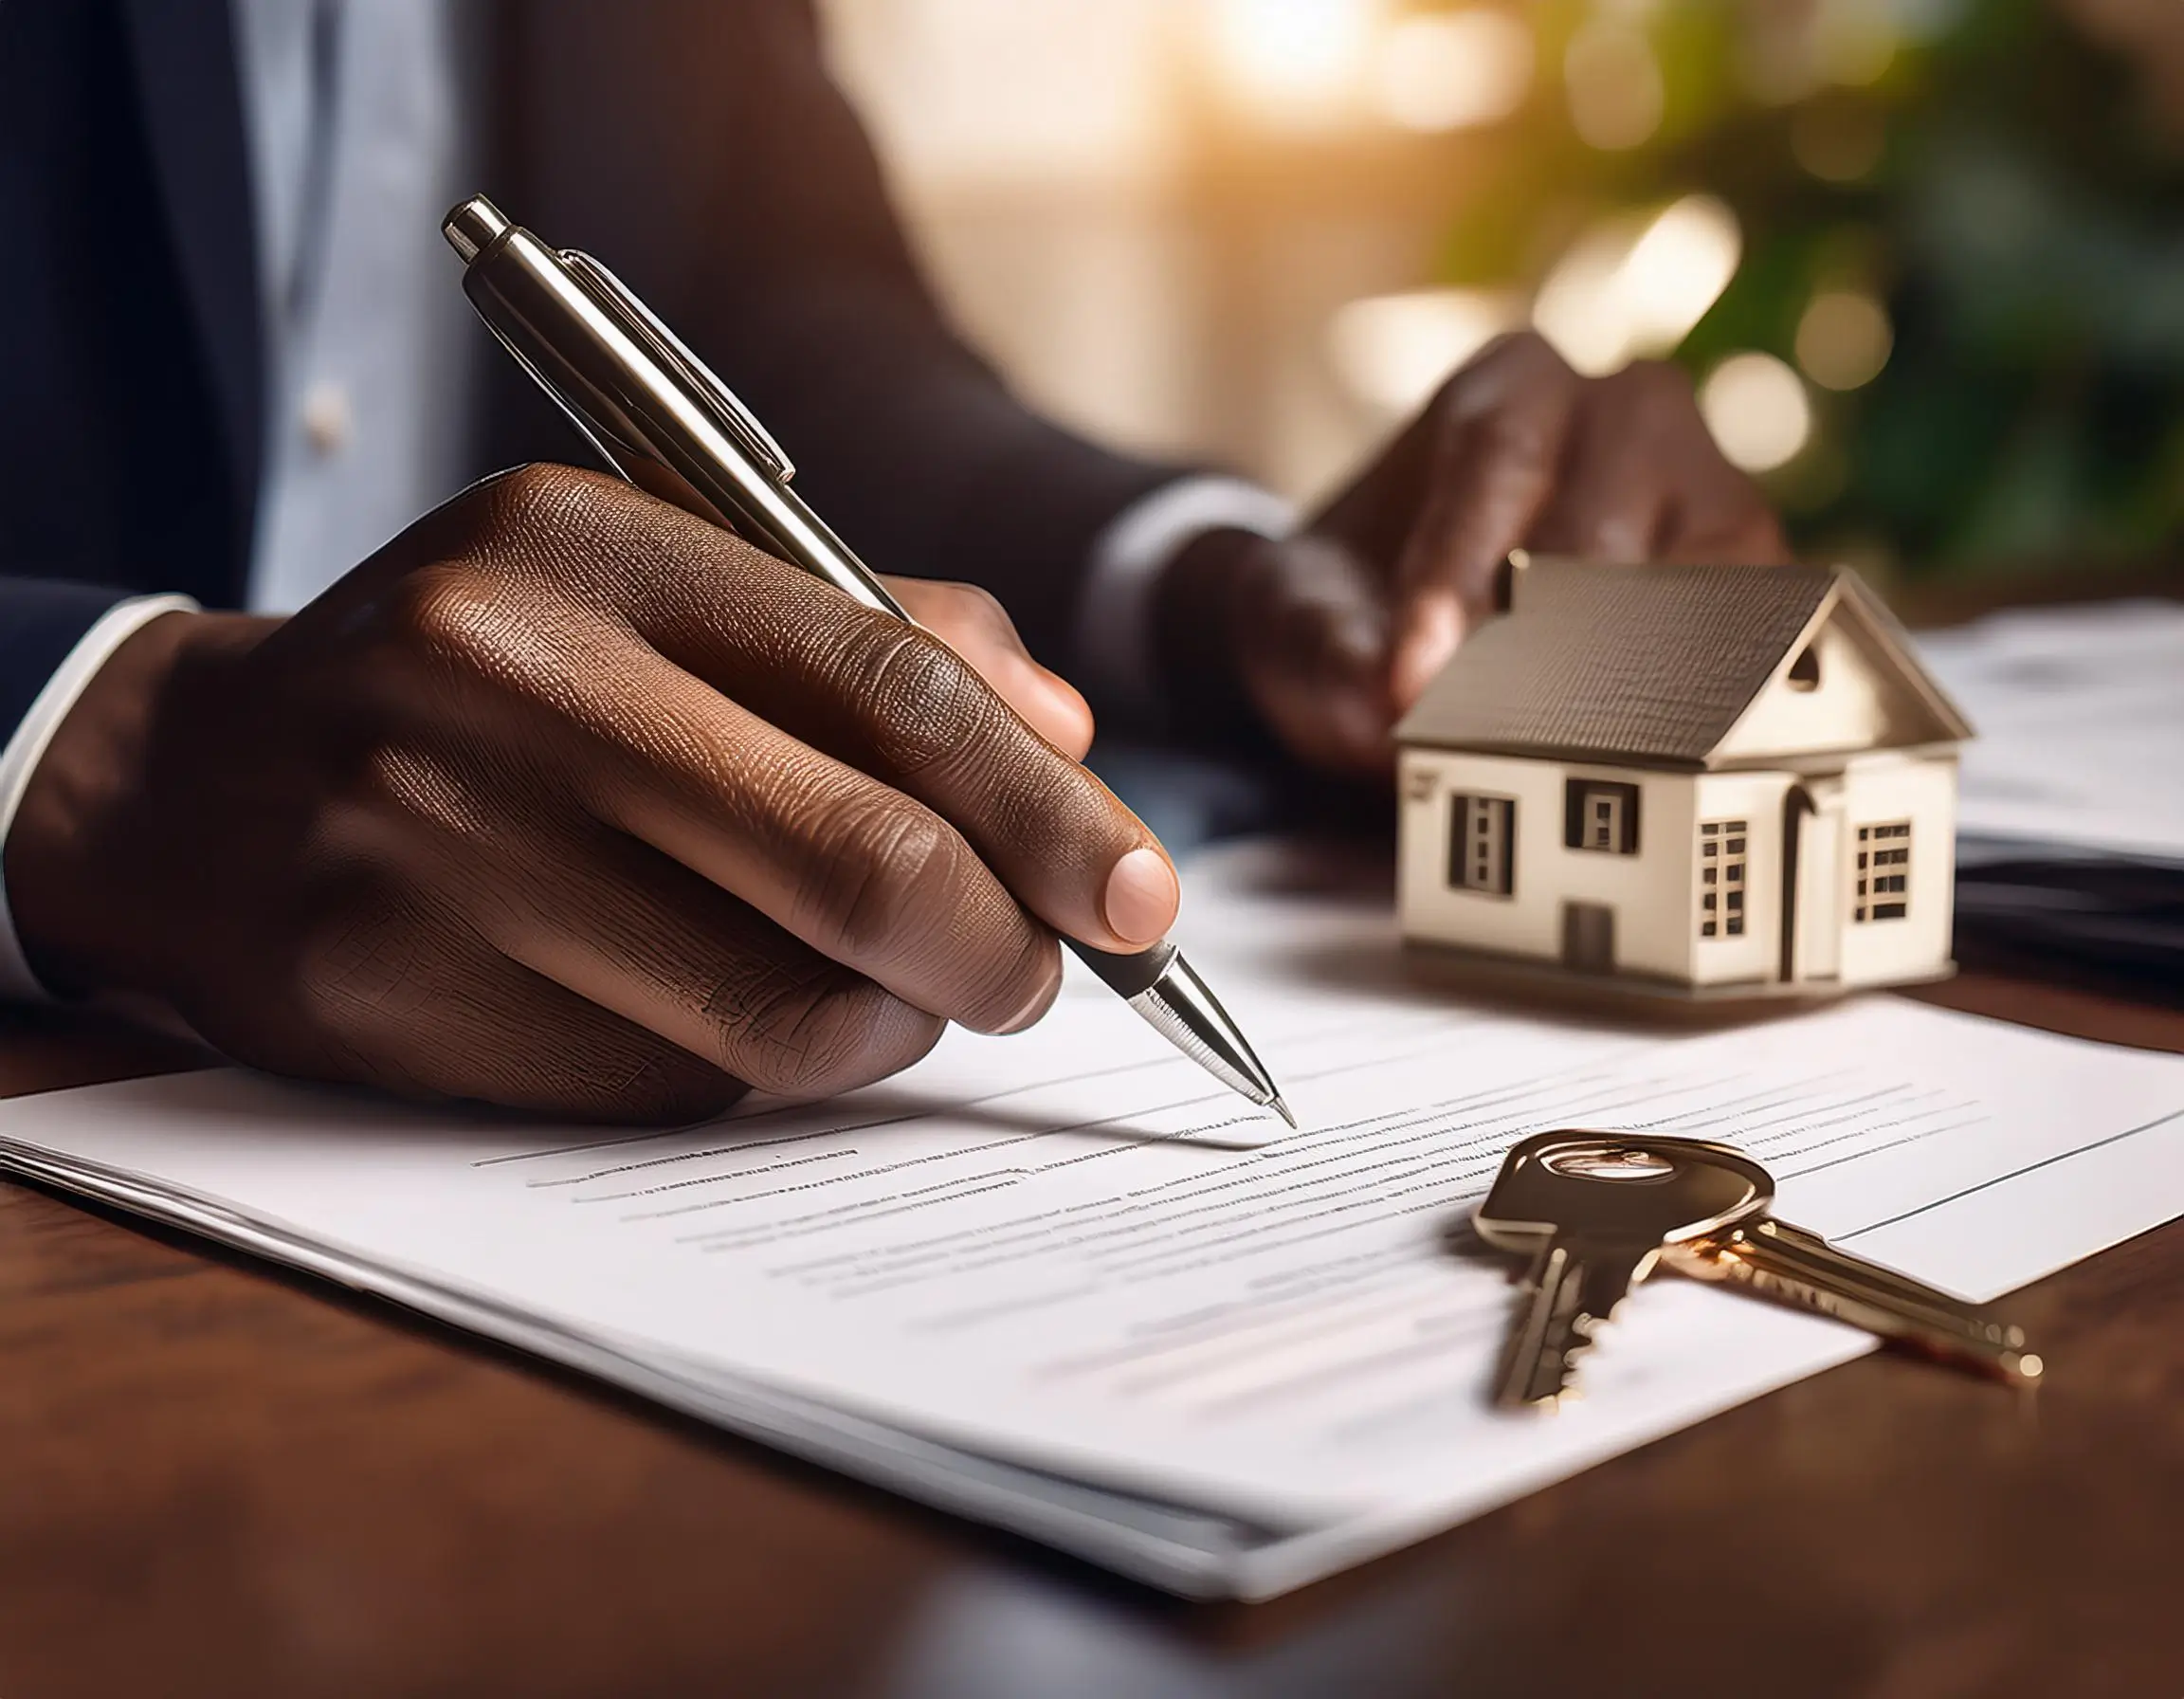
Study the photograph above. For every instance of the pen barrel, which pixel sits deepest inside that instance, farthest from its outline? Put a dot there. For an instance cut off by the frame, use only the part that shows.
(644, 410)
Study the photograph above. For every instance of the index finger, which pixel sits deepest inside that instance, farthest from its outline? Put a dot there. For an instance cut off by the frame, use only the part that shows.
(1493, 469)
(899, 705)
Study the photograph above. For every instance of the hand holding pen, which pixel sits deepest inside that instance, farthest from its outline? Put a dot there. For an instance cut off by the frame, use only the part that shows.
(659, 416)
(568, 800)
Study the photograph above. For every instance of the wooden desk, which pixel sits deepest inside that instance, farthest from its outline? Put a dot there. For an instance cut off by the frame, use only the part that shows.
(218, 1479)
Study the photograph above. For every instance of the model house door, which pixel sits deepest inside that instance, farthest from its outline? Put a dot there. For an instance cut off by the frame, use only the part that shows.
(1819, 893)
(1588, 938)
(1813, 881)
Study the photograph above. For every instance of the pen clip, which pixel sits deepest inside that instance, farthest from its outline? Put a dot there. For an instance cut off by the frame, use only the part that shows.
(644, 325)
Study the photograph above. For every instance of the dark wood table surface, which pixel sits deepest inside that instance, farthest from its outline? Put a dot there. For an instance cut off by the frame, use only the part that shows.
(218, 1478)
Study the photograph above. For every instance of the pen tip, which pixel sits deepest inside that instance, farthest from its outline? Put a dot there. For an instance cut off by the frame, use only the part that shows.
(1281, 1109)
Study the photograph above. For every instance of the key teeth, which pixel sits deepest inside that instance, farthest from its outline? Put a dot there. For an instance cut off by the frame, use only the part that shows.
(1571, 1293)
(1555, 1376)
(1584, 1334)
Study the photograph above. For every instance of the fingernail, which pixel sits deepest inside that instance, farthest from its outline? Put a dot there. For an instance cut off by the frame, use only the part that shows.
(1042, 1000)
(1425, 651)
(1142, 897)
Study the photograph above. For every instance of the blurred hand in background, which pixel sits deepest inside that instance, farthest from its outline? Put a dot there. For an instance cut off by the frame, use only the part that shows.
(1331, 634)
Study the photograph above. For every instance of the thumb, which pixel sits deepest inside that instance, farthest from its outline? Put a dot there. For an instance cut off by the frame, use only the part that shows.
(1311, 640)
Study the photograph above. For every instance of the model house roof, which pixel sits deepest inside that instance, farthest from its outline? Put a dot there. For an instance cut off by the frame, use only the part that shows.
(1654, 664)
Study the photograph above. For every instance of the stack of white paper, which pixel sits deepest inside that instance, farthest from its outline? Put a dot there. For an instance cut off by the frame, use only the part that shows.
(1036, 1280)
(2080, 713)
(2070, 827)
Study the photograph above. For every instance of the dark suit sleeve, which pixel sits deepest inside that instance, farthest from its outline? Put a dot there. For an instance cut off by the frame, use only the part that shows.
(40, 620)
(700, 149)
(114, 472)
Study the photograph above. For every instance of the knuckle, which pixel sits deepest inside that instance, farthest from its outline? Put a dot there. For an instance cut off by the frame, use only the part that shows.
(1487, 373)
(462, 637)
(450, 614)
(884, 871)
(416, 818)
(553, 525)
(1506, 414)
(967, 618)
(527, 488)
(819, 1034)
(395, 778)
(543, 497)
(1510, 438)
(924, 703)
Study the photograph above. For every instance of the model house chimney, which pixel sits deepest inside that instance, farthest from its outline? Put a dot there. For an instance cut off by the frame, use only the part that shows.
(1505, 578)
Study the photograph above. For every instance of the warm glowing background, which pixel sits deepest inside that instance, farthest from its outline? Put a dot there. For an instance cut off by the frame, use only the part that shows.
(1924, 258)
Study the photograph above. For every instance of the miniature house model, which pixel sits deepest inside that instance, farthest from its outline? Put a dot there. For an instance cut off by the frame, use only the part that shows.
(1704, 781)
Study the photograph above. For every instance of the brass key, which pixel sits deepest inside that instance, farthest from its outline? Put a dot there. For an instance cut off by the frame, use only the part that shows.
(1802, 1269)
(1595, 1211)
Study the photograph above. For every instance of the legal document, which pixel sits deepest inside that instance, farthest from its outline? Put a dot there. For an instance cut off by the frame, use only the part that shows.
(1061, 1283)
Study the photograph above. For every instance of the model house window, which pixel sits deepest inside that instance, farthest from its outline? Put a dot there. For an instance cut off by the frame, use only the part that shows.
(1599, 813)
(1882, 891)
(1721, 881)
(1481, 843)
(1805, 669)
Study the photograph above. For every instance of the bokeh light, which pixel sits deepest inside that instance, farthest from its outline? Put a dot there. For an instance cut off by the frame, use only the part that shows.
(1392, 351)
(1293, 63)
(1838, 141)
(1758, 410)
(1843, 340)
(1855, 40)
(1613, 84)
(1262, 230)
(1627, 289)
(1453, 70)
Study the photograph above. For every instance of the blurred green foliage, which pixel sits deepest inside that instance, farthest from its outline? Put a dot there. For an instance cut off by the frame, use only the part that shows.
(1993, 182)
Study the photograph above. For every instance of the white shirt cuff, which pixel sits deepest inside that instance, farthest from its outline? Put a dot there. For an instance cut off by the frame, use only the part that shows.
(1114, 614)
(20, 759)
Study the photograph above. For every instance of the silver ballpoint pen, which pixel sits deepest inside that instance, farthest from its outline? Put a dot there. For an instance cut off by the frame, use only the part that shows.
(664, 421)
